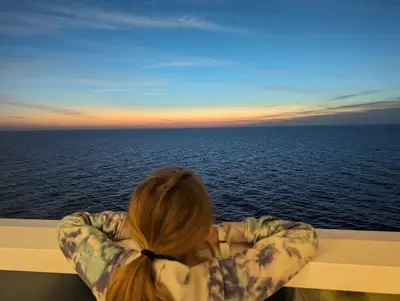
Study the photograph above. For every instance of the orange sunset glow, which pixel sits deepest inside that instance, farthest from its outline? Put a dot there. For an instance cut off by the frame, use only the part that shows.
(191, 117)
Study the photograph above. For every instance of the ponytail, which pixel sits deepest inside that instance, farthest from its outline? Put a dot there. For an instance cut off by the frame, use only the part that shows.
(133, 281)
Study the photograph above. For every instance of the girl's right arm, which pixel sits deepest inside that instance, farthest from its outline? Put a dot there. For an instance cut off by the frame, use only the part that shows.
(88, 242)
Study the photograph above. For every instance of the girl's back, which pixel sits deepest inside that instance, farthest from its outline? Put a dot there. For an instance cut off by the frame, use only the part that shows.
(157, 251)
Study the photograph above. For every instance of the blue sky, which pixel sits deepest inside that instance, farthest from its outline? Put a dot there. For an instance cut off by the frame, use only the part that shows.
(161, 60)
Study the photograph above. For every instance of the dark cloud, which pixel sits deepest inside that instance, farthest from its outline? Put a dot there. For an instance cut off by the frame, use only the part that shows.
(368, 92)
(384, 104)
(376, 116)
(378, 112)
(15, 117)
(47, 108)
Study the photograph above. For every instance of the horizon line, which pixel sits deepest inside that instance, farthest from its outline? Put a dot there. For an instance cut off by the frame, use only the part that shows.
(191, 127)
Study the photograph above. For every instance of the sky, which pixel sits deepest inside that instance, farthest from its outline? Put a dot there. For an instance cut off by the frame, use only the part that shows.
(185, 63)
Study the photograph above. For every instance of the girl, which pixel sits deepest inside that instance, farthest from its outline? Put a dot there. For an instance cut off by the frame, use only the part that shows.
(175, 253)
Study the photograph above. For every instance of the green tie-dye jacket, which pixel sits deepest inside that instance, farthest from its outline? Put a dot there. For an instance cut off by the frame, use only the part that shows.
(278, 251)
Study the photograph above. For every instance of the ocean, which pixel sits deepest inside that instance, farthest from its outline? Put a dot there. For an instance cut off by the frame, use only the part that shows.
(344, 177)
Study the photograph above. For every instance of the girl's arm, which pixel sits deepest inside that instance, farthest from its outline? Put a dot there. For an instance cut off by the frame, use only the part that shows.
(88, 242)
(280, 250)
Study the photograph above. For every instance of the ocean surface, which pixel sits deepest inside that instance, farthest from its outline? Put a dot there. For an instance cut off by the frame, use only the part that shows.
(332, 177)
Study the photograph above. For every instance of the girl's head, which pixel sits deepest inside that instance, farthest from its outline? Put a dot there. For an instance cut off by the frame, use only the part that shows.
(170, 214)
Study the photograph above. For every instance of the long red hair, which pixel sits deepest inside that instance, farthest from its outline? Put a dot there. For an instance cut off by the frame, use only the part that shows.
(170, 213)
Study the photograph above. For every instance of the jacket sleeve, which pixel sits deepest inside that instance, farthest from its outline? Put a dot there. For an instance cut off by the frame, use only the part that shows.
(88, 242)
(280, 250)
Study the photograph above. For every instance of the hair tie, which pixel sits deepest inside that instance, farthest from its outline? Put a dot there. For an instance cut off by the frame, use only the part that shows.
(151, 255)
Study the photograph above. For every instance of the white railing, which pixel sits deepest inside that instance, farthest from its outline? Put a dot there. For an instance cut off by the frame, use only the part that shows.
(360, 261)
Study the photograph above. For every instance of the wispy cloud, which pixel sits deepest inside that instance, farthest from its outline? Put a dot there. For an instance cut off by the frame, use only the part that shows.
(67, 74)
(152, 93)
(252, 103)
(291, 89)
(193, 63)
(13, 117)
(368, 92)
(112, 90)
(53, 18)
(46, 108)
(27, 23)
